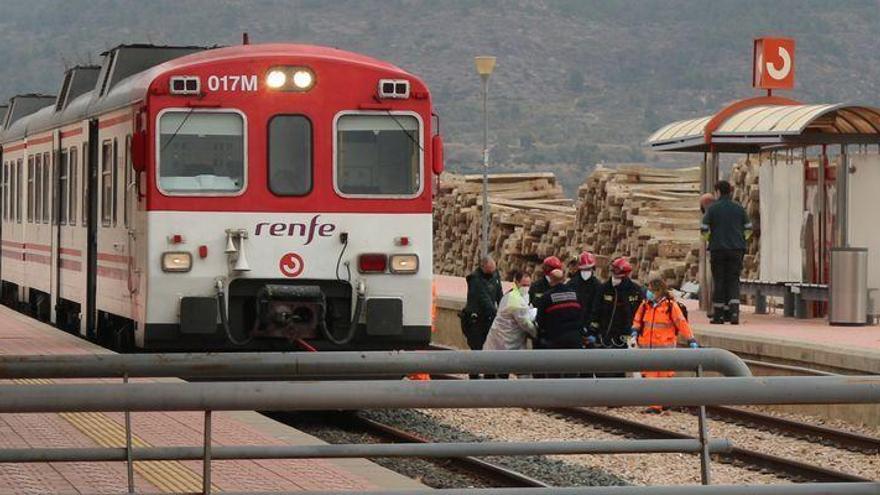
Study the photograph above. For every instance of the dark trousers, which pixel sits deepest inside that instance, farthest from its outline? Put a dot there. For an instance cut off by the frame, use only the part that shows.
(476, 331)
(727, 267)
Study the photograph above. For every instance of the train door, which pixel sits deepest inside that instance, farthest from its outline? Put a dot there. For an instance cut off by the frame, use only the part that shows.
(55, 227)
(91, 206)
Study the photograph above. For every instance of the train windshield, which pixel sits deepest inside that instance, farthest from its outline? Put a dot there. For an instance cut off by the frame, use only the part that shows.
(201, 152)
(378, 155)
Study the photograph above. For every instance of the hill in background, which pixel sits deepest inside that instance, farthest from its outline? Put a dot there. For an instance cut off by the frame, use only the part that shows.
(577, 81)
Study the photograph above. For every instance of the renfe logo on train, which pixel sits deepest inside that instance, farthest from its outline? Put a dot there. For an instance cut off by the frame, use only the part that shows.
(307, 231)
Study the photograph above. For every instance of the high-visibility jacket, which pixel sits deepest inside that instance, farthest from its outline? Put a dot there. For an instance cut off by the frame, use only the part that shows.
(660, 323)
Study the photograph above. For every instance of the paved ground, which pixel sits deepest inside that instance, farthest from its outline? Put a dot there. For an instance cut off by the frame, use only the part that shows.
(20, 335)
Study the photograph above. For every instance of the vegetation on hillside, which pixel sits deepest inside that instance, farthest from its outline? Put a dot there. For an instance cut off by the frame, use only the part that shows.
(577, 81)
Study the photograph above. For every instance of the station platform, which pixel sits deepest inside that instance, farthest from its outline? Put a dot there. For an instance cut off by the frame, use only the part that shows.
(20, 335)
(811, 343)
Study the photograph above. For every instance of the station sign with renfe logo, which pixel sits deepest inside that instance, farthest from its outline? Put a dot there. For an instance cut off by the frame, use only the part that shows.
(773, 63)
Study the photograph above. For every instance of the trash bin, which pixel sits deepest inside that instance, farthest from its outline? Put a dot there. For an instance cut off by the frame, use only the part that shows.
(849, 286)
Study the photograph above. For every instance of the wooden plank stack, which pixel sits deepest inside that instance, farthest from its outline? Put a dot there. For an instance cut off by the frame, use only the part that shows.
(530, 216)
(648, 214)
(744, 178)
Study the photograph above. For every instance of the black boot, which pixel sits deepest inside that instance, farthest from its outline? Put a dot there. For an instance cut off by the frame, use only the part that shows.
(733, 317)
(717, 316)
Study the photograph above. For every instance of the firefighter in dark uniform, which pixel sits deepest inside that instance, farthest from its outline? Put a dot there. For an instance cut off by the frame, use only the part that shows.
(542, 284)
(614, 308)
(726, 227)
(585, 284)
(558, 319)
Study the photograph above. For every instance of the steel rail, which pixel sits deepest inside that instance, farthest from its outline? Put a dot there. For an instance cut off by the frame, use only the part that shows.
(508, 477)
(279, 365)
(781, 489)
(814, 433)
(788, 467)
(395, 394)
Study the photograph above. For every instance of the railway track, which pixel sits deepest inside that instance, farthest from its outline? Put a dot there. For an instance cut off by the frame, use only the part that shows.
(497, 475)
(474, 470)
(824, 435)
(796, 470)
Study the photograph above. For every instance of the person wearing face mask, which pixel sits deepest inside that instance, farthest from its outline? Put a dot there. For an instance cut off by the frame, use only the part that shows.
(559, 316)
(513, 324)
(483, 295)
(585, 284)
(658, 324)
(613, 308)
(542, 284)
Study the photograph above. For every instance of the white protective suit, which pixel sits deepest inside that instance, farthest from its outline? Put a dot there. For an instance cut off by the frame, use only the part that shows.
(512, 323)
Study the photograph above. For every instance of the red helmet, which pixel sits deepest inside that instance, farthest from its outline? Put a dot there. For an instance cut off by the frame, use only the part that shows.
(706, 200)
(586, 261)
(551, 263)
(621, 266)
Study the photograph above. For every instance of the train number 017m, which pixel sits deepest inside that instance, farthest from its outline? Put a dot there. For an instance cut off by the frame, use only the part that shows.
(232, 83)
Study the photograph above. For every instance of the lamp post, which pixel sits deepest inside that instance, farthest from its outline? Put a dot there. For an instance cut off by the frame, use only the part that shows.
(485, 66)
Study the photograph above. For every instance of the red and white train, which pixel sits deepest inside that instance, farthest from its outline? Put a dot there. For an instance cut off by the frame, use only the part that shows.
(249, 197)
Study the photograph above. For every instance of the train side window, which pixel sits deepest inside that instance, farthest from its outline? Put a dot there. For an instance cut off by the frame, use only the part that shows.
(85, 184)
(47, 182)
(107, 183)
(71, 210)
(378, 155)
(290, 155)
(30, 191)
(63, 187)
(38, 188)
(114, 182)
(18, 187)
(126, 178)
(5, 189)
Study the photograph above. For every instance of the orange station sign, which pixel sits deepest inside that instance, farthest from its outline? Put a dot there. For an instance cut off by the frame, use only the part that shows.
(773, 63)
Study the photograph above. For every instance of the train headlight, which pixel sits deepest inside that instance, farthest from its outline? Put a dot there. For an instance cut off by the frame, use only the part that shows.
(303, 79)
(290, 78)
(276, 78)
(176, 261)
(404, 263)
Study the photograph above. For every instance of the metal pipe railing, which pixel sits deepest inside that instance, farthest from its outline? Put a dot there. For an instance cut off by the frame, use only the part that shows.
(334, 364)
(337, 451)
(386, 394)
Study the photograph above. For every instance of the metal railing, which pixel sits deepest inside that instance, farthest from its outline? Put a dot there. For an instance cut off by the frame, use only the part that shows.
(387, 394)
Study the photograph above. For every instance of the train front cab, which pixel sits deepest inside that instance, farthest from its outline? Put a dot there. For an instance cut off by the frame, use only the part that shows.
(291, 214)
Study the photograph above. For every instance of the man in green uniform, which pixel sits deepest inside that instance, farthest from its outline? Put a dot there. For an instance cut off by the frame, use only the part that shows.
(726, 226)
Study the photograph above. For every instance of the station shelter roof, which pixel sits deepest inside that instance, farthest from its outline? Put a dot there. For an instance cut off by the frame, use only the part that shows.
(756, 127)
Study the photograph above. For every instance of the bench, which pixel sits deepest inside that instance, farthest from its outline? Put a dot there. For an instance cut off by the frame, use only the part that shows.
(795, 295)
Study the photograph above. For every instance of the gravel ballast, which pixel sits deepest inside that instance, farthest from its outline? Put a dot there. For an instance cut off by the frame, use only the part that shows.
(860, 464)
(553, 470)
(641, 469)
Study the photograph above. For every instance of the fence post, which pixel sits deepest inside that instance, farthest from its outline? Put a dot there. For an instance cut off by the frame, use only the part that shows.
(705, 474)
(206, 462)
(129, 462)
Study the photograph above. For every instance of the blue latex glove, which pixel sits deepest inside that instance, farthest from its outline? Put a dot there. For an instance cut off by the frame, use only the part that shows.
(693, 344)
(591, 339)
(635, 333)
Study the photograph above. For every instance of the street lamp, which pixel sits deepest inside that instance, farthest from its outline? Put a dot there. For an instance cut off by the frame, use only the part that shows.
(485, 66)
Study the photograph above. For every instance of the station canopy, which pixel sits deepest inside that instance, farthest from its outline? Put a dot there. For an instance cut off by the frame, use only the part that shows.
(754, 128)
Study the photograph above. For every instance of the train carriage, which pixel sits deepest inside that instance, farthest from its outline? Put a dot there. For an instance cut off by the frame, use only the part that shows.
(250, 197)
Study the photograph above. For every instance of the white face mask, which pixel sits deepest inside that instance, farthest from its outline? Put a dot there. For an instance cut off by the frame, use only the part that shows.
(524, 292)
(615, 281)
(586, 274)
